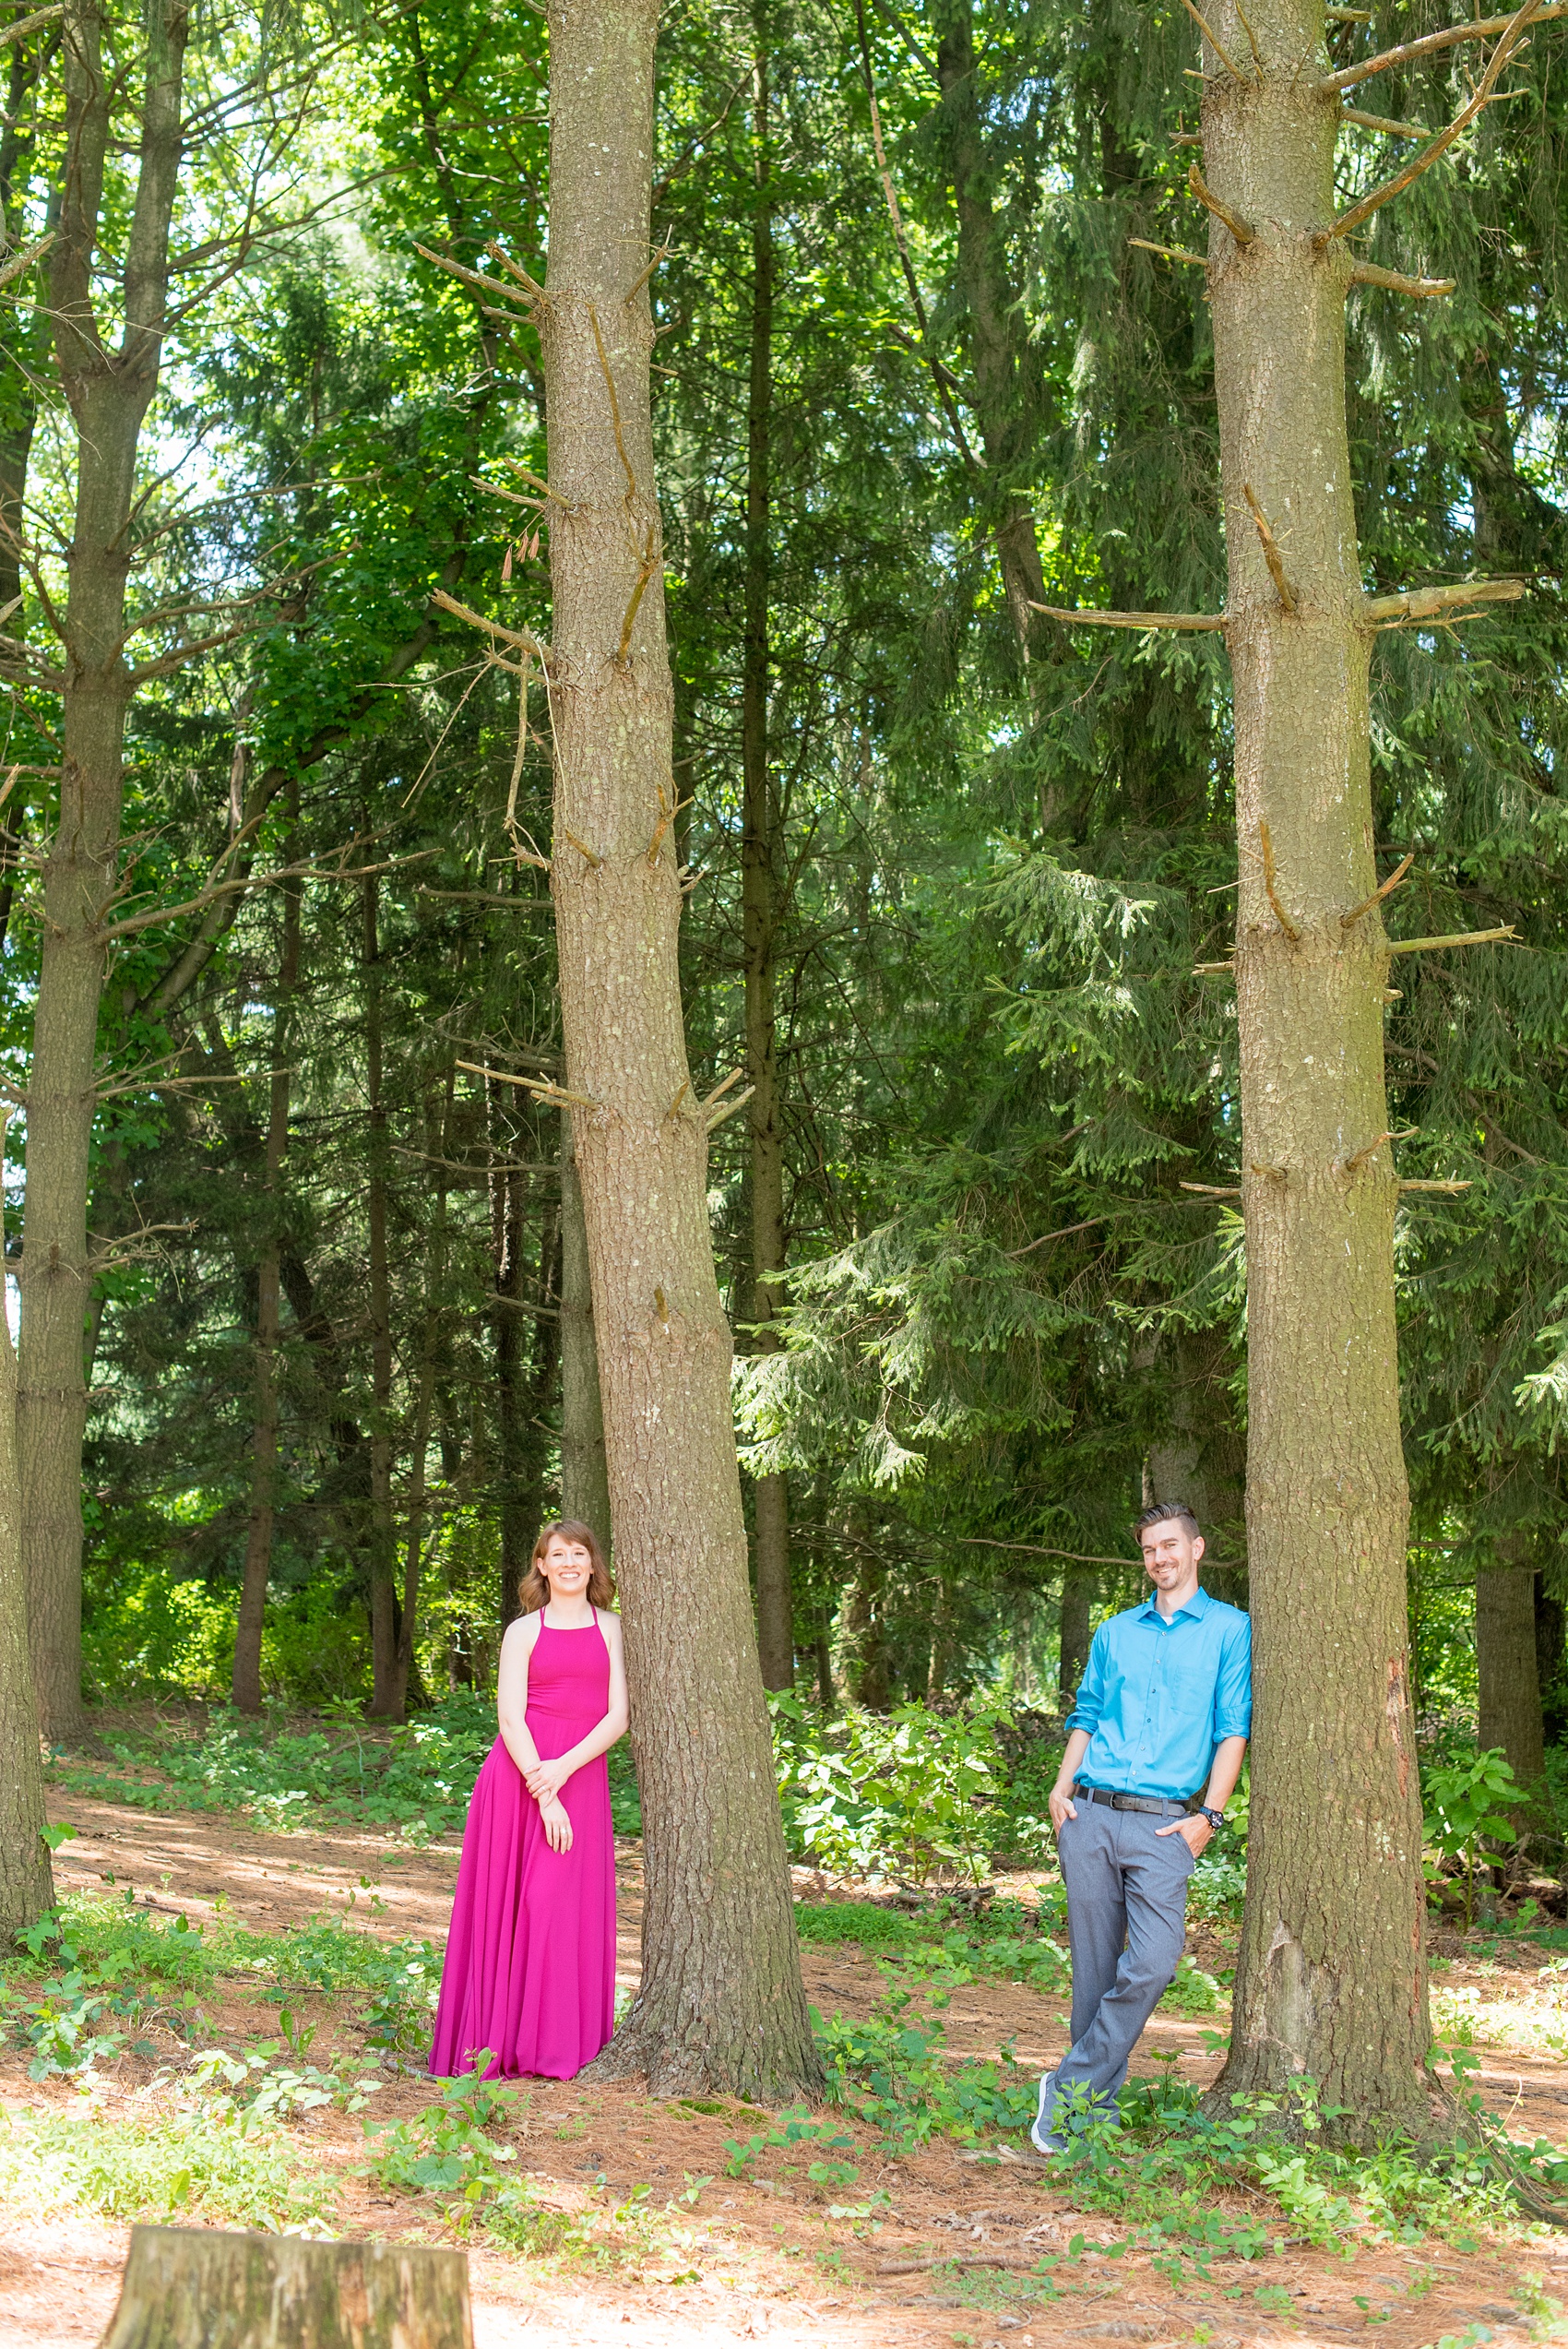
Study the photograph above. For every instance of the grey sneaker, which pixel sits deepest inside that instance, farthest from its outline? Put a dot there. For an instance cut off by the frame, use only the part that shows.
(1043, 2140)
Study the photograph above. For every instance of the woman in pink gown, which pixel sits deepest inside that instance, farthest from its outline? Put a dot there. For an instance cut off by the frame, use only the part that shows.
(530, 1972)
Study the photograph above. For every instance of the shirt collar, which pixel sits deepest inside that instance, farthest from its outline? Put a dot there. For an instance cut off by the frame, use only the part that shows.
(1197, 1607)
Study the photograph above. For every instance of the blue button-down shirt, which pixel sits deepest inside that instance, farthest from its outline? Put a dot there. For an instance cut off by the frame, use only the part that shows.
(1157, 1696)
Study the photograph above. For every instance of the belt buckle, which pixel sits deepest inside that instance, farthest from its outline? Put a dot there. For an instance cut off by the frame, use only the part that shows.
(1123, 1802)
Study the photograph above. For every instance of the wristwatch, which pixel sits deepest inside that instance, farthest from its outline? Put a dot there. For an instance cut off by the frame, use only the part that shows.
(1214, 1819)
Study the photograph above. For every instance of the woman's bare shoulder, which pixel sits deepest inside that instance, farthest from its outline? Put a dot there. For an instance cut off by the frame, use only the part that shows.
(608, 1622)
(521, 1634)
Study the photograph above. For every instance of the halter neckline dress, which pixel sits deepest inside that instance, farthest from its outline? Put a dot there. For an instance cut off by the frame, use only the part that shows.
(530, 1972)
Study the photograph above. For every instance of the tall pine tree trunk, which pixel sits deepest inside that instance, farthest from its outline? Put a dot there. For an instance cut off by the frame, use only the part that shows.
(27, 1886)
(1508, 1676)
(1078, 1587)
(1331, 1981)
(770, 1496)
(511, 1389)
(257, 1568)
(107, 392)
(385, 1702)
(1002, 370)
(722, 2003)
(438, 1150)
(1201, 1459)
(584, 1481)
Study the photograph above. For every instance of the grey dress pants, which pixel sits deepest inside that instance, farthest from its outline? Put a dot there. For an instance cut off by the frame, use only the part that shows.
(1126, 1925)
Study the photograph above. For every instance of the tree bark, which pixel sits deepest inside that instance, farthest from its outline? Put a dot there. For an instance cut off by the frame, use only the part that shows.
(246, 1686)
(107, 392)
(438, 1146)
(1077, 1599)
(1201, 1459)
(1331, 1981)
(866, 1644)
(721, 2004)
(1000, 367)
(511, 1405)
(184, 2288)
(1508, 1673)
(27, 1886)
(1550, 1626)
(584, 1481)
(25, 338)
(385, 1702)
(770, 1495)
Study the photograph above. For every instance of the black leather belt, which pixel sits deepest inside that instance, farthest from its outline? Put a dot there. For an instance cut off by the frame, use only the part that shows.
(1153, 1802)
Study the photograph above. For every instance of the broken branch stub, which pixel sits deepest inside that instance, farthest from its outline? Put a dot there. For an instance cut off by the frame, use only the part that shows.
(1132, 619)
(1428, 604)
(1394, 281)
(1270, 551)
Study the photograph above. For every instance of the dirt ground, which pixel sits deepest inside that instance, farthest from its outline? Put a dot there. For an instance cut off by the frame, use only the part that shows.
(775, 2257)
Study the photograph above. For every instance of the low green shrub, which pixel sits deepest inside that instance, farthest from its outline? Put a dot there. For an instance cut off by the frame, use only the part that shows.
(416, 1779)
(1170, 2154)
(162, 2171)
(903, 1793)
(1002, 1940)
(892, 2073)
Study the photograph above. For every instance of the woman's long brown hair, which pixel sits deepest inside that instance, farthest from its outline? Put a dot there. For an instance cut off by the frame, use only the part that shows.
(534, 1590)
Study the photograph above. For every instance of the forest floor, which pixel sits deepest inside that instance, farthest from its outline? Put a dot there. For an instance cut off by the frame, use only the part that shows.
(700, 2255)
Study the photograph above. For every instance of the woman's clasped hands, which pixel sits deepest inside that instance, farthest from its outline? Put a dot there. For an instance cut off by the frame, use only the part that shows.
(544, 1782)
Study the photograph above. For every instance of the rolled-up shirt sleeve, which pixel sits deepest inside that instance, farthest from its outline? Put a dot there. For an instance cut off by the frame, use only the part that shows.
(1089, 1703)
(1233, 1690)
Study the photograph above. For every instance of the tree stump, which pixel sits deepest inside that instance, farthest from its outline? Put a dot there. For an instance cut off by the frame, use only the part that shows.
(188, 2287)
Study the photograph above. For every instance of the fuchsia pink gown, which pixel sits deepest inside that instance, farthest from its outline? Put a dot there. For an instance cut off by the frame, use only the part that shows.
(530, 1959)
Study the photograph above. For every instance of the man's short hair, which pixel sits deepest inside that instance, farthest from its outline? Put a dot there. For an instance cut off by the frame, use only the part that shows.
(1164, 1510)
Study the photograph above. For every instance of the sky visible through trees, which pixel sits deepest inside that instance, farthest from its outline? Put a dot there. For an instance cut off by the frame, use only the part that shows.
(1004, 978)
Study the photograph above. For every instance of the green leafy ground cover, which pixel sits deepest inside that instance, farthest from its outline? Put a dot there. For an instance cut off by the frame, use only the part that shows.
(217, 2134)
(413, 1781)
(906, 1799)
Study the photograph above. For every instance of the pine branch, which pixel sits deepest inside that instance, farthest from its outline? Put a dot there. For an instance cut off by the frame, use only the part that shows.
(1408, 52)
(1506, 935)
(1169, 252)
(1239, 228)
(1385, 888)
(1270, 551)
(728, 1108)
(19, 263)
(157, 915)
(1512, 34)
(521, 639)
(476, 277)
(1383, 123)
(1394, 281)
(541, 1087)
(1428, 604)
(1212, 39)
(1133, 619)
(28, 24)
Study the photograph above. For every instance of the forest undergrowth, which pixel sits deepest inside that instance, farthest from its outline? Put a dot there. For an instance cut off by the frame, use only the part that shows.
(242, 2045)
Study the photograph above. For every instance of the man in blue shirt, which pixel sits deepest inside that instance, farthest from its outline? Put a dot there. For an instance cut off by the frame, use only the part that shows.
(1165, 1706)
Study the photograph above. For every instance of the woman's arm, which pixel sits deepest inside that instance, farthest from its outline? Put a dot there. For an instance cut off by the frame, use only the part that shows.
(549, 1777)
(511, 1710)
(512, 1691)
